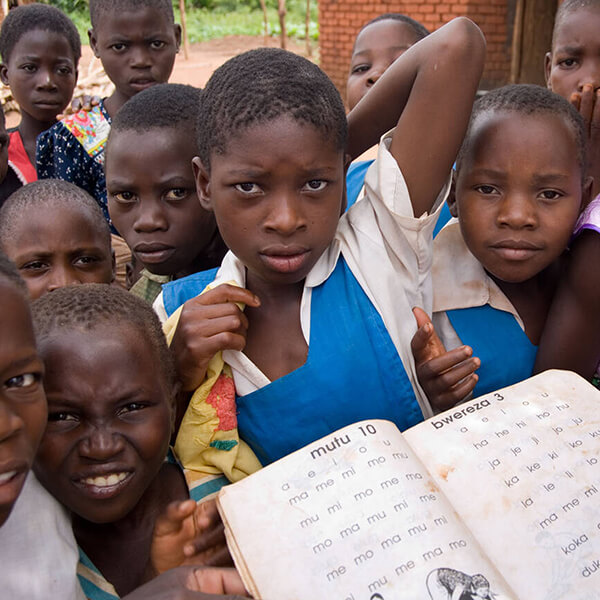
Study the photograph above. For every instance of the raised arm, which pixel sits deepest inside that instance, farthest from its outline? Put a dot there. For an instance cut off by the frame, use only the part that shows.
(427, 94)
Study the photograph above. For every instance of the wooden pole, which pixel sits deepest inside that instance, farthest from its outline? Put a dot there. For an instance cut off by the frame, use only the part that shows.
(517, 42)
(186, 44)
(307, 30)
(282, 12)
(263, 5)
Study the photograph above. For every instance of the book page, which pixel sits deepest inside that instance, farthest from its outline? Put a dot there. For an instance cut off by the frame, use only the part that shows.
(522, 468)
(354, 516)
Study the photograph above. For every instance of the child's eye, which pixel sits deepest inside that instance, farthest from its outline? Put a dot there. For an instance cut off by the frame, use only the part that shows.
(29, 68)
(567, 62)
(485, 189)
(124, 197)
(118, 47)
(131, 407)
(22, 381)
(360, 68)
(247, 188)
(34, 265)
(86, 260)
(316, 185)
(64, 70)
(550, 195)
(176, 194)
(157, 44)
(61, 416)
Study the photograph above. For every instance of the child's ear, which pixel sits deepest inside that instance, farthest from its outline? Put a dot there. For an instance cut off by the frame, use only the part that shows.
(202, 178)
(451, 200)
(177, 27)
(548, 68)
(586, 192)
(93, 42)
(4, 74)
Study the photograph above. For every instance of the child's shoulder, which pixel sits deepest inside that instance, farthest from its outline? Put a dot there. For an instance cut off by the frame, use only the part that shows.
(94, 122)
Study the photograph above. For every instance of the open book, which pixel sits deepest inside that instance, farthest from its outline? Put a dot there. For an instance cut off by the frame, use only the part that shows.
(496, 498)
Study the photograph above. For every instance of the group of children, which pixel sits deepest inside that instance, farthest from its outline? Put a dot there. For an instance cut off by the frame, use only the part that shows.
(298, 296)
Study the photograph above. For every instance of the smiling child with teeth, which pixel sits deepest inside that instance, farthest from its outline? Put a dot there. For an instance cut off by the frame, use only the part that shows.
(110, 385)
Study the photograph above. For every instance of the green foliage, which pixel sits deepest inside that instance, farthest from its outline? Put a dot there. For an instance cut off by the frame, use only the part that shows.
(210, 19)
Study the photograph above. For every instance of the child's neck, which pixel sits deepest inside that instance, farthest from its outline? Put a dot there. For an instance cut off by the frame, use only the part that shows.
(29, 129)
(532, 298)
(111, 546)
(114, 102)
(275, 342)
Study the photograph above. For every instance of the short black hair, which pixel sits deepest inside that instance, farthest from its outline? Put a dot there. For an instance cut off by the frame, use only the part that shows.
(10, 273)
(164, 105)
(90, 306)
(32, 17)
(49, 192)
(529, 99)
(99, 8)
(567, 7)
(261, 85)
(419, 29)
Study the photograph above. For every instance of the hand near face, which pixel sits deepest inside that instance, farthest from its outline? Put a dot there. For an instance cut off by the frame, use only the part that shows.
(587, 103)
(192, 583)
(208, 324)
(189, 534)
(446, 377)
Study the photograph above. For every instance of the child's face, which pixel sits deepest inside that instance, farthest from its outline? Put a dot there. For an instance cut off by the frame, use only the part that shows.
(518, 192)
(109, 420)
(53, 247)
(277, 195)
(575, 57)
(22, 401)
(376, 48)
(153, 202)
(137, 48)
(41, 74)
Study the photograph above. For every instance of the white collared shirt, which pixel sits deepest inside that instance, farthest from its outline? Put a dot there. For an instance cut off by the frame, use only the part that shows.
(38, 553)
(388, 250)
(460, 281)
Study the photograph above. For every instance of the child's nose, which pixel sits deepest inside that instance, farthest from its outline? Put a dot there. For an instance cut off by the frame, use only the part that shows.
(101, 443)
(374, 75)
(151, 218)
(285, 216)
(517, 211)
(62, 277)
(590, 74)
(140, 58)
(46, 79)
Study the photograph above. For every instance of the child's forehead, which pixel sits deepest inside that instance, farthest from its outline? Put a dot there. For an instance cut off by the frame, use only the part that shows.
(131, 20)
(384, 33)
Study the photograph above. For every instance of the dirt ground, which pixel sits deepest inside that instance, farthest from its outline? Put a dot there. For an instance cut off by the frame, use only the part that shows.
(204, 58)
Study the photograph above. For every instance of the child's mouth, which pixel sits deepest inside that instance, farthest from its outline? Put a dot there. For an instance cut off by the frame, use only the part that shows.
(285, 262)
(104, 486)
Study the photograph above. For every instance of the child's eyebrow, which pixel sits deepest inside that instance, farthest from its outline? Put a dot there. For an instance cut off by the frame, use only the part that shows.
(26, 361)
(388, 49)
(571, 49)
(550, 178)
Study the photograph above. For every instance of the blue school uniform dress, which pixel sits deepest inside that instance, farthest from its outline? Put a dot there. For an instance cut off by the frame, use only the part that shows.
(469, 308)
(356, 318)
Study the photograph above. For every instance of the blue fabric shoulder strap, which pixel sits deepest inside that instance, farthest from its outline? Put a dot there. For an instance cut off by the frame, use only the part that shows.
(507, 356)
(355, 179)
(176, 293)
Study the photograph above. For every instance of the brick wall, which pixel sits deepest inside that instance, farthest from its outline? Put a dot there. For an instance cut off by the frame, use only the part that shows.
(340, 21)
